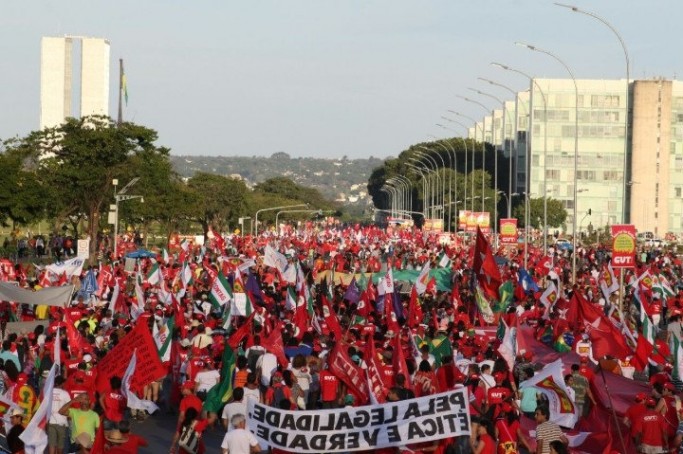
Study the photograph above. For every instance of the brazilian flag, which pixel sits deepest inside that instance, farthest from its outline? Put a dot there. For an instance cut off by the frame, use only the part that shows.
(222, 391)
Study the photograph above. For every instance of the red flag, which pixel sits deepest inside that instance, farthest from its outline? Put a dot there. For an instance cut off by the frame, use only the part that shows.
(376, 383)
(176, 363)
(62, 280)
(241, 332)
(331, 319)
(606, 339)
(76, 341)
(98, 443)
(643, 351)
(399, 361)
(273, 344)
(485, 267)
(341, 365)
(415, 314)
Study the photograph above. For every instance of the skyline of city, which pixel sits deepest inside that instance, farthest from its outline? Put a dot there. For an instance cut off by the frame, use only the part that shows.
(316, 79)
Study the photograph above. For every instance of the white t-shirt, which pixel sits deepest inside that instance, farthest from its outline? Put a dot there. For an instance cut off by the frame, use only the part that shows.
(232, 409)
(239, 441)
(206, 379)
(253, 394)
(267, 363)
(59, 398)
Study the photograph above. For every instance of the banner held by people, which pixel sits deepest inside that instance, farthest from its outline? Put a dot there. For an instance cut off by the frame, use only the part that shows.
(369, 427)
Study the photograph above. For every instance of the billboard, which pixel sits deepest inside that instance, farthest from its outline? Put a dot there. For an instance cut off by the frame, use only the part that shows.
(463, 215)
(508, 231)
(623, 246)
(434, 225)
(481, 219)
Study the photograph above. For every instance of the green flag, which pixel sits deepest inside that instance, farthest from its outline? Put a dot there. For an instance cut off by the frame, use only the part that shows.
(505, 293)
(222, 391)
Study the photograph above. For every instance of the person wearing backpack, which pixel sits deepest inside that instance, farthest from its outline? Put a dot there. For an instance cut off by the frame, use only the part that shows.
(188, 437)
(278, 391)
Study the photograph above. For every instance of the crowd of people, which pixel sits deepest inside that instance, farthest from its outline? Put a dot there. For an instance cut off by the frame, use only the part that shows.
(316, 294)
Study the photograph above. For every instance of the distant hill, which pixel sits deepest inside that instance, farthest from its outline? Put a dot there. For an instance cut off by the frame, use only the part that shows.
(343, 180)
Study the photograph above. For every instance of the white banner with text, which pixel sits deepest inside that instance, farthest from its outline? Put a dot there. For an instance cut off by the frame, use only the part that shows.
(369, 427)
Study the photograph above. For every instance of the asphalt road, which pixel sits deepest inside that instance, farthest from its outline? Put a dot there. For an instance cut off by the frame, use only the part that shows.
(158, 430)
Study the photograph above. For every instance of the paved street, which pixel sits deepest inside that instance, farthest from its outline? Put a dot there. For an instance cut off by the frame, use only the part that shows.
(158, 431)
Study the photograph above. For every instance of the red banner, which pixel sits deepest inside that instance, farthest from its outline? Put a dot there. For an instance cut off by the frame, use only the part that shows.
(149, 367)
(508, 231)
(623, 246)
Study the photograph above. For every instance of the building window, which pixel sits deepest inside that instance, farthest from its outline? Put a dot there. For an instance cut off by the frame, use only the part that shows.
(611, 205)
(611, 175)
(552, 174)
(677, 191)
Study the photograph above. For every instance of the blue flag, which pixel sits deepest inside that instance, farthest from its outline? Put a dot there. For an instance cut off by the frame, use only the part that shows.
(527, 282)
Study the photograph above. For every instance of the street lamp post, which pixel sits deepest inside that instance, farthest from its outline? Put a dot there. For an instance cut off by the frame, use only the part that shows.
(451, 185)
(576, 146)
(533, 82)
(120, 197)
(627, 176)
(483, 137)
(274, 209)
(425, 188)
(514, 133)
(466, 152)
(277, 215)
(483, 150)
(428, 153)
(435, 187)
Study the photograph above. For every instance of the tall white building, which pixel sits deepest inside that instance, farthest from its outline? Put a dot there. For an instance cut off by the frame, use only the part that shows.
(641, 184)
(57, 80)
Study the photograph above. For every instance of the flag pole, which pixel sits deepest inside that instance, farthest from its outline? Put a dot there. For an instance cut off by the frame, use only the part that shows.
(614, 413)
(120, 118)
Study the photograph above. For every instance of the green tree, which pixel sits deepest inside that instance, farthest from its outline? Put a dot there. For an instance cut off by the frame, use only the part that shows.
(218, 200)
(22, 198)
(76, 162)
(557, 214)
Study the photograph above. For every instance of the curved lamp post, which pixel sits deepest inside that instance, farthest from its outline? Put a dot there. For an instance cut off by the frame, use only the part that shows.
(533, 82)
(627, 176)
(425, 188)
(483, 148)
(464, 143)
(298, 205)
(576, 146)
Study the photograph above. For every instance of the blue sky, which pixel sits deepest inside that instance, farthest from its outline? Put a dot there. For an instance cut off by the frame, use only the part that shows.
(324, 78)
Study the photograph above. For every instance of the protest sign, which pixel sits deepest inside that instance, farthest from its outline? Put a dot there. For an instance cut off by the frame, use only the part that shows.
(623, 246)
(116, 362)
(362, 428)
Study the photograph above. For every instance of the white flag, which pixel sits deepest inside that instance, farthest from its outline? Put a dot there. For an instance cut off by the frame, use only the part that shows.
(35, 438)
(134, 402)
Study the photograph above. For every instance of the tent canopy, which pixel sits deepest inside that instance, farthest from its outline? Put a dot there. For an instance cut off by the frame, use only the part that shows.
(141, 254)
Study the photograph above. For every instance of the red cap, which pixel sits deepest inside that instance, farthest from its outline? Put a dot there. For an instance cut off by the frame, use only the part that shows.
(650, 402)
(670, 386)
(22, 379)
(641, 397)
(499, 376)
(188, 385)
(474, 377)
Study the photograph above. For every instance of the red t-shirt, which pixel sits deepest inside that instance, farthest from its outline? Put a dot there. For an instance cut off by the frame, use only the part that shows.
(477, 397)
(507, 432)
(634, 413)
(652, 427)
(114, 406)
(191, 401)
(329, 383)
(489, 444)
(497, 394)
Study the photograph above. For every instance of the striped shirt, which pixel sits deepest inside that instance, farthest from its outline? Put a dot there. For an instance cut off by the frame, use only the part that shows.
(548, 431)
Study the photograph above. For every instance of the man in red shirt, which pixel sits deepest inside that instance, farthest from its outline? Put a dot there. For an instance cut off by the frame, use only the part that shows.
(649, 430)
(496, 395)
(189, 400)
(114, 405)
(329, 389)
(635, 412)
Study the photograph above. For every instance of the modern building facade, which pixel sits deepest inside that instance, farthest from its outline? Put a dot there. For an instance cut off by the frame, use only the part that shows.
(638, 181)
(58, 96)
